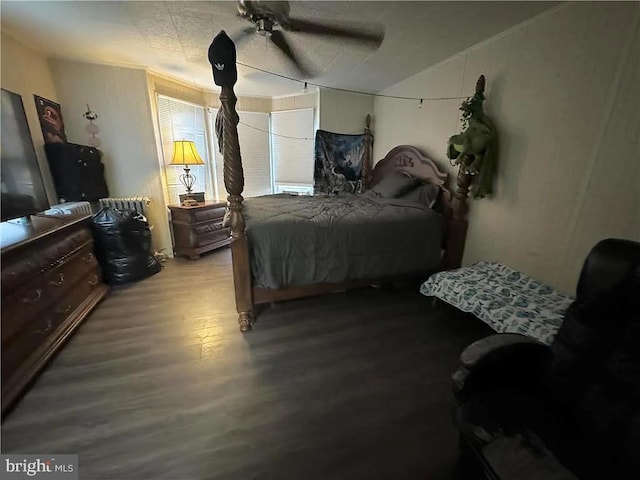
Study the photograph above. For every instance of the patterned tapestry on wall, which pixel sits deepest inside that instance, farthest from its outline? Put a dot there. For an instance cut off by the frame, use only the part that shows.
(51, 122)
(338, 163)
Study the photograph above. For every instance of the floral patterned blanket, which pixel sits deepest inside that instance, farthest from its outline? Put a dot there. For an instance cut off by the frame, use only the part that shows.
(505, 299)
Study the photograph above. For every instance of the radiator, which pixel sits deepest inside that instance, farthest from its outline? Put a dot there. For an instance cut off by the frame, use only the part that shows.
(137, 204)
(70, 208)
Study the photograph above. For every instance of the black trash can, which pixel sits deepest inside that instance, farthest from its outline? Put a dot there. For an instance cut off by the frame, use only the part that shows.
(123, 245)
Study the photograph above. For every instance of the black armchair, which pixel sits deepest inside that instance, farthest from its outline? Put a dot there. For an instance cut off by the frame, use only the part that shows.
(571, 410)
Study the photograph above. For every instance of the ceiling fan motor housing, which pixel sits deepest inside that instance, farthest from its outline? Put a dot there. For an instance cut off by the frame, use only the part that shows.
(264, 27)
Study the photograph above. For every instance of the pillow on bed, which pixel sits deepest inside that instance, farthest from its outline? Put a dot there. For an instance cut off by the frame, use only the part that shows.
(395, 185)
(425, 194)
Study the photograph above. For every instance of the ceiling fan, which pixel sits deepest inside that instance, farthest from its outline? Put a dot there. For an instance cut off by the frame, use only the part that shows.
(271, 19)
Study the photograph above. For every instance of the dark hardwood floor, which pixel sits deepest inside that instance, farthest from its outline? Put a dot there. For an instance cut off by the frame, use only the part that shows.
(159, 383)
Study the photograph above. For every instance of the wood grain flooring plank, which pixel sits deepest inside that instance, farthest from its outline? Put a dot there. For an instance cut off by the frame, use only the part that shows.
(159, 383)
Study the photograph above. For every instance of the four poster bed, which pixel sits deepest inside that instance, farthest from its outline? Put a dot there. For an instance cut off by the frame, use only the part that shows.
(286, 247)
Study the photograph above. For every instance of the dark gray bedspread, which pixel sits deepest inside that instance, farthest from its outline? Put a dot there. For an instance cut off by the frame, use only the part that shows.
(301, 240)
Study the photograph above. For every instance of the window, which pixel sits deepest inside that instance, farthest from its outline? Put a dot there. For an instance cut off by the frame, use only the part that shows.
(292, 189)
(180, 120)
(280, 161)
(292, 147)
(253, 133)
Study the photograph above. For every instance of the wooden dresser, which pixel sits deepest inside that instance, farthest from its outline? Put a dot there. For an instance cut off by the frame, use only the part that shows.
(50, 283)
(198, 229)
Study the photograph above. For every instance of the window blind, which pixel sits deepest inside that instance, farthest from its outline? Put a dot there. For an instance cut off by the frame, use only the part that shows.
(293, 158)
(180, 120)
(253, 134)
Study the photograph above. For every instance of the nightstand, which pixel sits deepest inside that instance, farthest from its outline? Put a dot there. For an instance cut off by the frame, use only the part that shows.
(198, 229)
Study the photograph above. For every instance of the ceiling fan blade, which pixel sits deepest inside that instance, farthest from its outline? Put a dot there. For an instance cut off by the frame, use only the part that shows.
(281, 42)
(239, 37)
(344, 30)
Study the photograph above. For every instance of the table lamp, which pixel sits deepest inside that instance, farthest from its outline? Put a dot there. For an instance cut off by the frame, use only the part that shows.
(184, 155)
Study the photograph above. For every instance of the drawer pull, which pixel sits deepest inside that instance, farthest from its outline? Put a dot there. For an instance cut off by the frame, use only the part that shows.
(64, 310)
(94, 281)
(59, 282)
(88, 258)
(35, 299)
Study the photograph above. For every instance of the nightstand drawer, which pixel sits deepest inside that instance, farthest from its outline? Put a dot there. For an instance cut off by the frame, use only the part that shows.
(208, 214)
(213, 237)
(206, 228)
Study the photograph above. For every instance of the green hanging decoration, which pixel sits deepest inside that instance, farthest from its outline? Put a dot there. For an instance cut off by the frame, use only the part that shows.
(476, 149)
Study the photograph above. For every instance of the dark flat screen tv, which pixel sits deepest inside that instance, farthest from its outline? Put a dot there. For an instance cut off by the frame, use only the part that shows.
(23, 191)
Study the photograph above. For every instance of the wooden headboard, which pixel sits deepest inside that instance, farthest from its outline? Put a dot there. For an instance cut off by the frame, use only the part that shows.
(407, 159)
(453, 205)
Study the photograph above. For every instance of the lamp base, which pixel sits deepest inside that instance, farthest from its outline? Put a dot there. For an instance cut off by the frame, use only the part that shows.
(190, 202)
(197, 196)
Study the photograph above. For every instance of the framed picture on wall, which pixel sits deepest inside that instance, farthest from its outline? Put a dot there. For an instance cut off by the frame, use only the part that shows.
(51, 122)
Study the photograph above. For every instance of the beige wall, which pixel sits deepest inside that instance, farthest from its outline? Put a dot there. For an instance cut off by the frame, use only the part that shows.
(26, 72)
(563, 90)
(343, 112)
(295, 102)
(172, 88)
(120, 97)
(245, 104)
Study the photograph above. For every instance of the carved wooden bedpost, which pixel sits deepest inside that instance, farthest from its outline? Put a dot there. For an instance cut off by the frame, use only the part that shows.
(367, 167)
(234, 183)
(458, 223)
(222, 56)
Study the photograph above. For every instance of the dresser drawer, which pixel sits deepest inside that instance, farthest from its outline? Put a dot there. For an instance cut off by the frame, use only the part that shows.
(79, 291)
(29, 302)
(59, 280)
(21, 269)
(34, 332)
(23, 307)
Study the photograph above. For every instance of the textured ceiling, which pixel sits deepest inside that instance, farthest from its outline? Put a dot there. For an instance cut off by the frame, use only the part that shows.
(172, 37)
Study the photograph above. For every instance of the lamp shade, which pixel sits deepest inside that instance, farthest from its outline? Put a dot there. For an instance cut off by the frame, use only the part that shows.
(185, 153)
